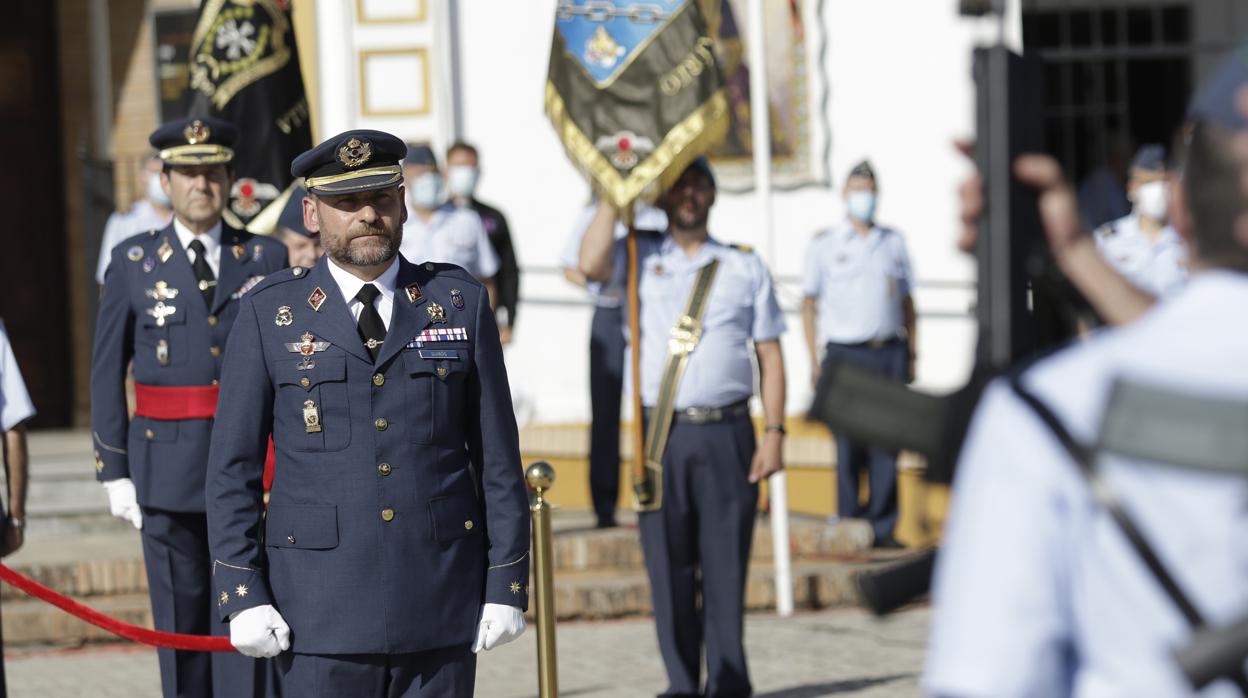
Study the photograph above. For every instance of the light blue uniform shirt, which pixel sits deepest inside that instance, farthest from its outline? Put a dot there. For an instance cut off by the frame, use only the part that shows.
(454, 236)
(858, 283)
(1158, 267)
(610, 294)
(1037, 592)
(742, 307)
(15, 404)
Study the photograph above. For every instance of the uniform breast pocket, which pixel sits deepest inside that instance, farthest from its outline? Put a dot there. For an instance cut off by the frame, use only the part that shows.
(437, 387)
(310, 412)
(162, 336)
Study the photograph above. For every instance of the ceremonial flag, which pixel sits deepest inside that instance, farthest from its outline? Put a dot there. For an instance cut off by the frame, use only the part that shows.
(634, 91)
(244, 68)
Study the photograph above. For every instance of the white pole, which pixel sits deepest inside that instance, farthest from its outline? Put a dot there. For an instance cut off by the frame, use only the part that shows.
(760, 115)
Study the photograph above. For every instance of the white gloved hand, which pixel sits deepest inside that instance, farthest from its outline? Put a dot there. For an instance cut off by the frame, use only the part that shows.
(259, 632)
(499, 625)
(123, 502)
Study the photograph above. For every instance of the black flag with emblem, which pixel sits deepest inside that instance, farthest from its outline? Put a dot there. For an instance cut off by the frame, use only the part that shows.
(244, 68)
(634, 91)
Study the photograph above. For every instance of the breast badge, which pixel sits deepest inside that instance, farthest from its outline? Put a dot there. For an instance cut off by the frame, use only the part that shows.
(436, 313)
(160, 311)
(311, 417)
(316, 299)
(457, 299)
(134, 254)
(284, 317)
(307, 346)
(161, 292)
(165, 251)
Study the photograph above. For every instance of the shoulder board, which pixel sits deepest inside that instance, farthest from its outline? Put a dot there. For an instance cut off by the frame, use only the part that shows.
(279, 276)
(432, 269)
(748, 249)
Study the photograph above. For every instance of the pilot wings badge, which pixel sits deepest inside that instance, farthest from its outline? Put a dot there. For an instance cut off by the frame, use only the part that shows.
(307, 346)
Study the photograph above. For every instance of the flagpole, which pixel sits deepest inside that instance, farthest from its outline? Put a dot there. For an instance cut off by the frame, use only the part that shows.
(760, 122)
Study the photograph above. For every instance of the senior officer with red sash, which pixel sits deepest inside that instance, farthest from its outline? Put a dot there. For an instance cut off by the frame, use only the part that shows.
(169, 300)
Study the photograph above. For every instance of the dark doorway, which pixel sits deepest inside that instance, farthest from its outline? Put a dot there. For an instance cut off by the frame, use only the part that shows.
(1119, 74)
(34, 290)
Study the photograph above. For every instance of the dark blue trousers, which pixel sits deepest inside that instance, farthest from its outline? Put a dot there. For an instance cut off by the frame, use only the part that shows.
(852, 457)
(606, 383)
(448, 672)
(179, 581)
(698, 544)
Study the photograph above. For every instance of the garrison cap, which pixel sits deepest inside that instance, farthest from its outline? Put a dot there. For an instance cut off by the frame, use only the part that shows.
(359, 160)
(199, 141)
(1218, 101)
(292, 214)
(420, 154)
(1150, 156)
(863, 169)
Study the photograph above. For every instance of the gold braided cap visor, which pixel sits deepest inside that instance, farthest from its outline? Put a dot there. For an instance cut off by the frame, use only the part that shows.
(203, 154)
(376, 178)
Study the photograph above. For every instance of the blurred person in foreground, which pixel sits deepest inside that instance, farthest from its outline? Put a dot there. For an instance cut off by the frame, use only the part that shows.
(153, 211)
(608, 345)
(1037, 590)
(1142, 245)
(15, 410)
(858, 309)
(303, 246)
(463, 172)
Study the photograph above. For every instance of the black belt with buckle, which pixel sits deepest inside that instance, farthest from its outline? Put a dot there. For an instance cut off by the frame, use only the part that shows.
(709, 415)
(869, 344)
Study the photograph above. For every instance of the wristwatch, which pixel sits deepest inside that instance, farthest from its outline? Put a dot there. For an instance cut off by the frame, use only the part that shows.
(778, 428)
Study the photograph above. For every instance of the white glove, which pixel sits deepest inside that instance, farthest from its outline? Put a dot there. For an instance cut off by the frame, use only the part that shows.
(500, 624)
(259, 632)
(123, 502)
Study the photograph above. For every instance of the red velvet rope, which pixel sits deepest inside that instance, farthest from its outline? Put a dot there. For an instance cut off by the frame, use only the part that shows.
(155, 638)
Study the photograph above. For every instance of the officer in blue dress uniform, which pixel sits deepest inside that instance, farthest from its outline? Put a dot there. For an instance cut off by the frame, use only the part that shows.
(712, 463)
(396, 540)
(169, 301)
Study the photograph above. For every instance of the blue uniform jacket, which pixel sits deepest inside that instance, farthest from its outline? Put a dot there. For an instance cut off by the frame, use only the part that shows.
(398, 504)
(151, 313)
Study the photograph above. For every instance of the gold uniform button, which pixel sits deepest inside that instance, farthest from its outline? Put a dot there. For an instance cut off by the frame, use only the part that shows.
(212, 320)
(384, 468)
(297, 271)
(379, 380)
(150, 434)
(381, 424)
(215, 351)
(428, 266)
(305, 382)
(468, 525)
(387, 514)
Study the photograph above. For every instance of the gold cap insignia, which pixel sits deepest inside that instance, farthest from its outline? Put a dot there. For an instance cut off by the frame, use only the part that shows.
(355, 153)
(196, 132)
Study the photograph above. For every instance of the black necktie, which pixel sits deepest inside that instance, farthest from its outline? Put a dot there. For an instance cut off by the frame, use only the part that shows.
(372, 329)
(203, 272)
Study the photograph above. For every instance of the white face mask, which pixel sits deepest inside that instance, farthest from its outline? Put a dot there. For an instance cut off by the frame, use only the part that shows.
(426, 191)
(155, 193)
(861, 206)
(1150, 200)
(461, 180)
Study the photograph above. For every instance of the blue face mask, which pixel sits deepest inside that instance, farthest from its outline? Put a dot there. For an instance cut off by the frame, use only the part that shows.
(426, 191)
(155, 194)
(861, 206)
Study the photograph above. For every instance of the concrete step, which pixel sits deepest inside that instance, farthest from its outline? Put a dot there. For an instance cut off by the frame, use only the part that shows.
(32, 622)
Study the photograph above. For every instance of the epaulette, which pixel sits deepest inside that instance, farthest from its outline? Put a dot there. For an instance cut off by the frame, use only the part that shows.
(748, 249)
(279, 276)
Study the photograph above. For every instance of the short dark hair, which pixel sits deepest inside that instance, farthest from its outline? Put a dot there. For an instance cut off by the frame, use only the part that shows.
(464, 146)
(1216, 198)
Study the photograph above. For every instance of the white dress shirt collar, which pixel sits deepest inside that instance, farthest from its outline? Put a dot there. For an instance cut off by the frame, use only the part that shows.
(211, 241)
(350, 284)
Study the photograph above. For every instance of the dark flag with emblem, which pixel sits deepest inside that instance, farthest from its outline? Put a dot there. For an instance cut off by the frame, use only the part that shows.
(635, 95)
(634, 91)
(244, 68)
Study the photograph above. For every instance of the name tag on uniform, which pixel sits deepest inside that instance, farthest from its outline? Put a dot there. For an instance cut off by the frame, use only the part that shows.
(439, 334)
(439, 354)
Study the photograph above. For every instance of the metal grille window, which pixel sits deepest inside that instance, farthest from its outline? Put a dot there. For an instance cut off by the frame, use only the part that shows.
(1119, 73)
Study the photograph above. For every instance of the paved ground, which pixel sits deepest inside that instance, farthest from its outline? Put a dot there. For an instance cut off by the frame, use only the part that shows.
(832, 653)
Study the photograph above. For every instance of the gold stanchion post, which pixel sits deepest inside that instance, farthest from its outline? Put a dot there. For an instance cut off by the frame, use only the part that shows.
(541, 476)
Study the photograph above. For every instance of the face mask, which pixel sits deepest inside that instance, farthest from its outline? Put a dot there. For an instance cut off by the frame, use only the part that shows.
(461, 180)
(1150, 200)
(426, 191)
(155, 194)
(861, 206)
